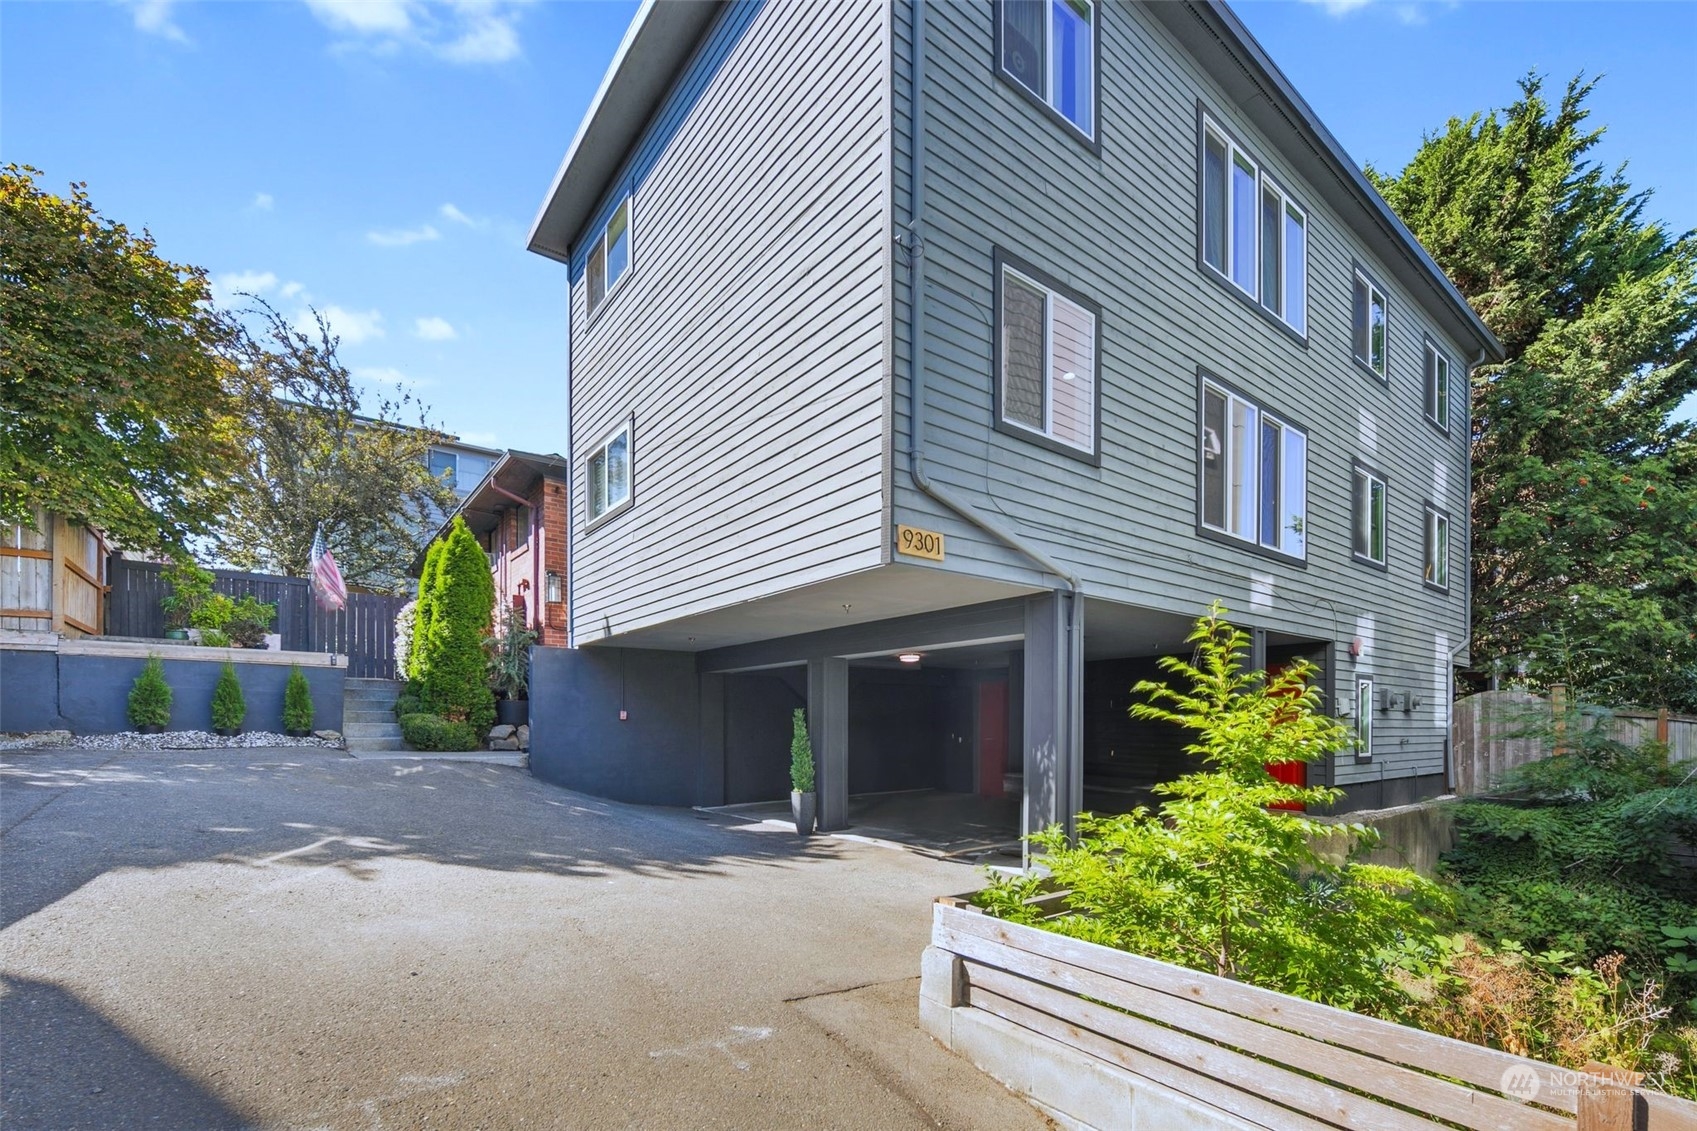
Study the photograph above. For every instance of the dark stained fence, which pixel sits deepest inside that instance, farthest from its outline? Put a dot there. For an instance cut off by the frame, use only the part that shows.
(364, 632)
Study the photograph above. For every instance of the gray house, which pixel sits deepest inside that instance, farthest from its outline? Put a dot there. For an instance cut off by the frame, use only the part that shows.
(934, 365)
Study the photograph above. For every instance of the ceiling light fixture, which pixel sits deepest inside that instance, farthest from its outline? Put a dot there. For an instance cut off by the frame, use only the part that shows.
(909, 657)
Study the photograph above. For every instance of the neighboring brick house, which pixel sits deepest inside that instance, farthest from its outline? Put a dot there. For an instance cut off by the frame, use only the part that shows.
(518, 512)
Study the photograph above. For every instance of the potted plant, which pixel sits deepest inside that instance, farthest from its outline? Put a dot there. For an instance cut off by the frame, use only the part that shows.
(191, 588)
(150, 699)
(297, 705)
(509, 669)
(249, 621)
(803, 801)
(229, 709)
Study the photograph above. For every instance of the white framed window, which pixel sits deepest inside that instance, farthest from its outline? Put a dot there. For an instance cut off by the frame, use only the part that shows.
(1437, 386)
(1046, 353)
(1254, 478)
(1370, 516)
(1437, 548)
(1370, 320)
(1048, 50)
(1365, 703)
(607, 474)
(1253, 234)
(610, 256)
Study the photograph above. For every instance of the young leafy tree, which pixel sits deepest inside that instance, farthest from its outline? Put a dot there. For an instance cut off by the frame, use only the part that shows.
(454, 668)
(111, 383)
(1219, 879)
(316, 457)
(1585, 485)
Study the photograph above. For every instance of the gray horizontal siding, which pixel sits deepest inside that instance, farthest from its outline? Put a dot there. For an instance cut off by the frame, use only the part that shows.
(1121, 229)
(749, 339)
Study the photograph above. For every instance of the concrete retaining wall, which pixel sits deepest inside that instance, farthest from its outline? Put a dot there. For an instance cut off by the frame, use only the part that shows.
(44, 689)
(1411, 836)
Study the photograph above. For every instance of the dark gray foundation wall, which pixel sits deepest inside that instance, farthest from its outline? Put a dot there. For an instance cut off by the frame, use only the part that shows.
(90, 694)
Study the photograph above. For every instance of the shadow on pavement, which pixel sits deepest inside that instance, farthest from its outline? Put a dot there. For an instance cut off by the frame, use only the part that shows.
(67, 1067)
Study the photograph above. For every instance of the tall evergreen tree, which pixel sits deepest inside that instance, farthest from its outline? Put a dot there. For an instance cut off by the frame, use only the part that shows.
(1584, 483)
(454, 668)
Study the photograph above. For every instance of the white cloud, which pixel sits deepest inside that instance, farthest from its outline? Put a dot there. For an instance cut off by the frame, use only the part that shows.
(389, 377)
(457, 31)
(154, 18)
(402, 237)
(435, 329)
(352, 326)
(1339, 7)
(228, 287)
(454, 215)
(263, 201)
(293, 290)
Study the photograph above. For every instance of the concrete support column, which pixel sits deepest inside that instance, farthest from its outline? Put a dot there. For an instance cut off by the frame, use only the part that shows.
(827, 726)
(1053, 672)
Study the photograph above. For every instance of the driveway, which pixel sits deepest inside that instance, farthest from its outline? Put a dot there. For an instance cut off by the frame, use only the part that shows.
(291, 938)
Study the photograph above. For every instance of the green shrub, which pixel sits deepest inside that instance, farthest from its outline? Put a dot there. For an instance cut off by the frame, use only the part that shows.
(213, 613)
(424, 731)
(229, 709)
(410, 701)
(509, 656)
(250, 619)
(191, 587)
(214, 638)
(452, 666)
(801, 754)
(1219, 879)
(424, 612)
(150, 696)
(297, 701)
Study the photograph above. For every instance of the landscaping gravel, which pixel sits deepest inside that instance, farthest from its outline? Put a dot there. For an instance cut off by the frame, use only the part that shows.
(170, 740)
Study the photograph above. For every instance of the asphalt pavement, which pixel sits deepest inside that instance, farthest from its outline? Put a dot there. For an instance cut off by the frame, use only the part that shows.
(297, 939)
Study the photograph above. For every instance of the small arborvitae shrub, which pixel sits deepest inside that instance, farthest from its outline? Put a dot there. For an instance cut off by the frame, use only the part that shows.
(432, 732)
(228, 706)
(801, 754)
(150, 696)
(297, 702)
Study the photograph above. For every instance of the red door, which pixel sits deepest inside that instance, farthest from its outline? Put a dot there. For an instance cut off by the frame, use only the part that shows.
(992, 737)
(1291, 773)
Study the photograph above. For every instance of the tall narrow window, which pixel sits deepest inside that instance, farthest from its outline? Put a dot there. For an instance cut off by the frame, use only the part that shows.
(1049, 50)
(1253, 234)
(1437, 548)
(1047, 378)
(609, 256)
(1364, 706)
(607, 471)
(1254, 473)
(1370, 324)
(1437, 387)
(1370, 515)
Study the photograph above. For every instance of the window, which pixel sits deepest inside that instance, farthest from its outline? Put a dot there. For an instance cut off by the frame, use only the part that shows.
(609, 256)
(1437, 548)
(1048, 48)
(1369, 322)
(1369, 543)
(521, 527)
(1046, 363)
(1364, 704)
(444, 466)
(1437, 387)
(1253, 234)
(1254, 473)
(608, 474)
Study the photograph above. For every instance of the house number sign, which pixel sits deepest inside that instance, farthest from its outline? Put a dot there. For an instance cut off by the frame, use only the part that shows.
(917, 543)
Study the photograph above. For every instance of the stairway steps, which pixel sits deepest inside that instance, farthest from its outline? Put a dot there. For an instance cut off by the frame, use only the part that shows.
(359, 745)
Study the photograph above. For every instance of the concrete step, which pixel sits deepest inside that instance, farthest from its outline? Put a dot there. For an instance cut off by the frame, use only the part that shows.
(376, 694)
(390, 729)
(361, 683)
(363, 714)
(364, 745)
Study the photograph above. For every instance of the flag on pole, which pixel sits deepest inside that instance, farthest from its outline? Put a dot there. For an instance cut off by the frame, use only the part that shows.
(327, 586)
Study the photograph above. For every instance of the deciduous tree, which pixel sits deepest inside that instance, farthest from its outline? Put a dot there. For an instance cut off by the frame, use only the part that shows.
(1585, 483)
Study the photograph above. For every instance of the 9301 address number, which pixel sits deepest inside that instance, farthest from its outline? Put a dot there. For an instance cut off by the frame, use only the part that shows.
(917, 543)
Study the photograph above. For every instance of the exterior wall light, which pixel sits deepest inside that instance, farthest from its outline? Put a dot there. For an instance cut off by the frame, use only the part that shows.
(909, 657)
(552, 591)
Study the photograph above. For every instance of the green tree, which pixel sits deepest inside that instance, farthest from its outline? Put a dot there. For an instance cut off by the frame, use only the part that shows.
(425, 611)
(454, 669)
(316, 456)
(229, 708)
(1585, 485)
(297, 702)
(150, 696)
(1221, 877)
(111, 380)
(801, 754)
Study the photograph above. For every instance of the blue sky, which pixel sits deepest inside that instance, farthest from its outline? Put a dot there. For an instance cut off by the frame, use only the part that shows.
(382, 159)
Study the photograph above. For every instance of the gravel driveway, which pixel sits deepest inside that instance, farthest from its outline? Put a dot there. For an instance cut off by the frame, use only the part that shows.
(293, 938)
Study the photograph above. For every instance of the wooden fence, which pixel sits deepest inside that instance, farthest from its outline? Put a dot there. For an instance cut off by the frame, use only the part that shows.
(363, 632)
(1098, 1034)
(1494, 731)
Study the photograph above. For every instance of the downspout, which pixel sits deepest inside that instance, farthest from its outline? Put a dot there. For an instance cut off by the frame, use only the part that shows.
(1466, 587)
(915, 245)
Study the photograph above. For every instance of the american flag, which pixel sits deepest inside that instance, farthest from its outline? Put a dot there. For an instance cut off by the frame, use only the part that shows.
(327, 586)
